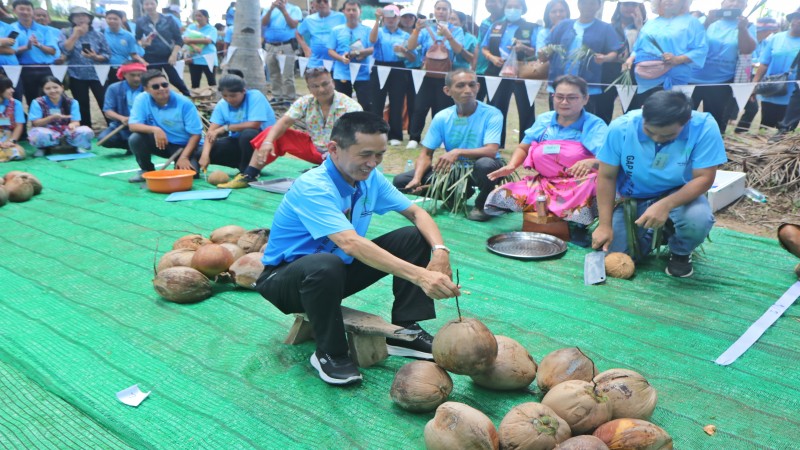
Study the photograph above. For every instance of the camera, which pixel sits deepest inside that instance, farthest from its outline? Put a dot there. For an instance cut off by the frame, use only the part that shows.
(729, 13)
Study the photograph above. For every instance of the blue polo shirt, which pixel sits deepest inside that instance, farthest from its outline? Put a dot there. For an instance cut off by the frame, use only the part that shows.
(178, 118)
(122, 45)
(425, 41)
(589, 130)
(119, 97)
(44, 36)
(35, 111)
(321, 203)
(680, 35)
(723, 52)
(278, 30)
(483, 30)
(481, 128)
(316, 31)
(648, 170)
(777, 54)
(8, 60)
(209, 32)
(384, 45)
(254, 108)
(340, 40)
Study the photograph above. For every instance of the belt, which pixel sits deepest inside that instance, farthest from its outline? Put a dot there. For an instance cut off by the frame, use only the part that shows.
(281, 43)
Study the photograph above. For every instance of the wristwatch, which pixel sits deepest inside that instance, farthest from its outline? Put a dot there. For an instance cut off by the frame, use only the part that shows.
(440, 247)
(226, 128)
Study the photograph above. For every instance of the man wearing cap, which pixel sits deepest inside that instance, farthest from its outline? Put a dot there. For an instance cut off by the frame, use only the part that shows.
(765, 27)
(278, 26)
(37, 49)
(314, 31)
(118, 102)
(161, 40)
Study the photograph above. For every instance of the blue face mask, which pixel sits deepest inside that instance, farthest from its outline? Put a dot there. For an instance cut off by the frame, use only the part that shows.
(513, 14)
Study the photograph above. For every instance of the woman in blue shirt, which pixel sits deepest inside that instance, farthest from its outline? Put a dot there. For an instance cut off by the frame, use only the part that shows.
(200, 39)
(12, 119)
(464, 59)
(777, 57)
(121, 43)
(55, 117)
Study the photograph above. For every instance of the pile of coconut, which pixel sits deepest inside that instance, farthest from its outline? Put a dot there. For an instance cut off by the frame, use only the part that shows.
(18, 187)
(581, 409)
(230, 254)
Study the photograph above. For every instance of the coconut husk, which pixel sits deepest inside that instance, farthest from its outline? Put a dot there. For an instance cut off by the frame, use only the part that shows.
(421, 386)
(766, 164)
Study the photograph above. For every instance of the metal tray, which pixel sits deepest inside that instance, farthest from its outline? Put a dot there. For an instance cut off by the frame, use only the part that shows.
(526, 245)
(278, 185)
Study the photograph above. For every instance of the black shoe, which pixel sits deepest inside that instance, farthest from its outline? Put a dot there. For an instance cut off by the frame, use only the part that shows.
(137, 178)
(780, 135)
(478, 215)
(680, 265)
(419, 348)
(335, 370)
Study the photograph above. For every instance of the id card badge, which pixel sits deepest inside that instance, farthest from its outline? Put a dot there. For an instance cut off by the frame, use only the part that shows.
(551, 149)
(660, 161)
(5, 121)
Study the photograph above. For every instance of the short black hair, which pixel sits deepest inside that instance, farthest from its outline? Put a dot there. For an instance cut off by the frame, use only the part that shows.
(231, 83)
(448, 79)
(345, 129)
(152, 74)
(576, 81)
(665, 108)
(352, 2)
(5, 84)
(21, 2)
(116, 12)
(203, 12)
(236, 72)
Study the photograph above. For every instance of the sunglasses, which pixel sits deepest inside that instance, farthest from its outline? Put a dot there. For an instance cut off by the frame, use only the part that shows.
(156, 86)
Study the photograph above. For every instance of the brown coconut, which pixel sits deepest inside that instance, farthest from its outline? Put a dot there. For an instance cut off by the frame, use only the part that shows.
(514, 368)
(246, 270)
(577, 402)
(532, 426)
(252, 240)
(228, 233)
(264, 247)
(235, 250)
(212, 260)
(182, 285)
(630, 394)
(585, 442)
(218, 177)
(421, 386)
(465, 347)
(619, 265)
(9, 175)
(3, 195)
(190, 241)
(459, 426)
(19, 190)
(175, 258)
(37, 185)
(562, 365)
(633, 434)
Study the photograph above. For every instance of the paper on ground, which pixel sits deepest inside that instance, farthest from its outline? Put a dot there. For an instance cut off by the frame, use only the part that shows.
(132, 396)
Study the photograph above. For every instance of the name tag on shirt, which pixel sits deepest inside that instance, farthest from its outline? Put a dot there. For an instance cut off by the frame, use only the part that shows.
(551, 149)
(660, 161)
(5, 121)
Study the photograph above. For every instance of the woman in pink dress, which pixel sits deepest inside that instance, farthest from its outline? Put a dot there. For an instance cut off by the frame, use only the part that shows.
(560, 148)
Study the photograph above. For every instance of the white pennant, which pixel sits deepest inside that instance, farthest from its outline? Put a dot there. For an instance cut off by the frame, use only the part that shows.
(417, 75)
(354, 68)
(102, 72)
(626, 94)
(687, 89)
(742, 92)
(13, 73)
(328, 64)
(263, 55)
(179, 66)
(492, 83)
(533, 86)
(231, 51)
(303, 63)
(383, 74)
(281, 61)
(59, 72)
(210, 60)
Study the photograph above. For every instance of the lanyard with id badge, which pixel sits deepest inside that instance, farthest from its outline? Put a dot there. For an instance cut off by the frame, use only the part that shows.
(661, 159)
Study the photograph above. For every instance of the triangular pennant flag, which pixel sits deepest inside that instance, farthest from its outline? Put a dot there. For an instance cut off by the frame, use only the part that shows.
(263, 55)
(231, 51)
(281, 61)
(687, 89)
(102, 72)
(354, 68)
(383, 74)
(179, 66)
(211, 59)
(12, 72)
(492, 83)
(417, 75)
(328, 64)
(533, 86)
(370, 66)
(303, 63)
(742, 92)
(626, 94)
(59, 72)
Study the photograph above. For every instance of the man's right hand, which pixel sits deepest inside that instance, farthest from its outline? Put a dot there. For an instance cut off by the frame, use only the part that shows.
(602, 237)
(438, 286)
(263, 151)
(413, 185)
(204, 161)
(161, 138)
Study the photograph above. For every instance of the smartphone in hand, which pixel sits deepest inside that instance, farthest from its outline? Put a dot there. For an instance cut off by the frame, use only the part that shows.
(13, 34)
(87, 47)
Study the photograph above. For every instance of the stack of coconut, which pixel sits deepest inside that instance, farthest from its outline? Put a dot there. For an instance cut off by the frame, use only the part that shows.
(231, 254)
(18, 187)
(602, 411)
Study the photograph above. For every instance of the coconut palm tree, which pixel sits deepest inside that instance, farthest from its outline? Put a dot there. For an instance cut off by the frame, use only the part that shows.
(247, 40)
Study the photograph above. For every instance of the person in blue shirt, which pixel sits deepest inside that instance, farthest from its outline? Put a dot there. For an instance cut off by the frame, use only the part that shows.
(12, 121)
(765, 27)
(727, 38)
(236, 120)
(118, 102)
(317, 254)
(121, 43)
(37, 47)
(470, 131)
(163, 122)
(779, 55)
(8, 47)
(278, 27)
(55, 119)
(230, 14)
(200, 38)
(313, 33)
(161, 40)
(349, 43)
(496, 12)
(465, 59)
(174, 13)
(659, 162)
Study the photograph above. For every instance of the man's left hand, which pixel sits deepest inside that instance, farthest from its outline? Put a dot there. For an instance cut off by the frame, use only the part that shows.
(655, 216)
(446, 161)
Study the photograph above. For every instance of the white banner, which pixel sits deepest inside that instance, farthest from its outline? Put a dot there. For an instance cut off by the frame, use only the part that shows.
(179, 66)
(211, 60)
(417, 75)
(626, 94)
(281, 61)
(303, 62)
(532, 87)
(354, 68)
(492, 83)
(328, 64)
(742, 92)
(231, 51)
(102, 72)
(687, 89)
(59, 72)
(12, 72)
(383, 74)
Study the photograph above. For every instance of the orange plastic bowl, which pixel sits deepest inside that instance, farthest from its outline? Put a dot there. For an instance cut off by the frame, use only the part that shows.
(169, 181)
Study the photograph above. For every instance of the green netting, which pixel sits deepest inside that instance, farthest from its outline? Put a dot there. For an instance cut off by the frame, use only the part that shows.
(80, 321)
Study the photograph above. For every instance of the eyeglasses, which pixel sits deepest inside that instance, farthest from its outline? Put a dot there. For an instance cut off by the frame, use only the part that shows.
(566, 98)
(156, 86)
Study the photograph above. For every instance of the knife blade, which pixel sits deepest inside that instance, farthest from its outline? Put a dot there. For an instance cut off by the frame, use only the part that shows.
(594, 268)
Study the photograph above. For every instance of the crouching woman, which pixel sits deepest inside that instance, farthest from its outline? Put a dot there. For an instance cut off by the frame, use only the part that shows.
(56, 119)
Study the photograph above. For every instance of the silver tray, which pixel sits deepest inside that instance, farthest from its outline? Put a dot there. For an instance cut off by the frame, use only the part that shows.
(526, 245)
(278, 185)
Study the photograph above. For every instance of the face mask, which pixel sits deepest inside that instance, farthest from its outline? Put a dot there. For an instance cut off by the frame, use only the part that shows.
(513, 14)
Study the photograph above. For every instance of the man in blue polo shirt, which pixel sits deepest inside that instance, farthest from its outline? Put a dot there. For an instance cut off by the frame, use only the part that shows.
(118, 102)
(313, 32)
(278, 26)
(163, 122)
(349, 43)
(660, 161)
(470, 131)
(317, 254)
(36, 46)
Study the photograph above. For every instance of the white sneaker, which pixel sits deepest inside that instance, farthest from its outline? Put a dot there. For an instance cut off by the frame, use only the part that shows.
(412, 145)
(39, 153)
(395, 142)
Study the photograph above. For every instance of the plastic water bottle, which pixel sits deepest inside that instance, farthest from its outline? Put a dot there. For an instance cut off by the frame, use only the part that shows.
(755, 195)
(409, 166)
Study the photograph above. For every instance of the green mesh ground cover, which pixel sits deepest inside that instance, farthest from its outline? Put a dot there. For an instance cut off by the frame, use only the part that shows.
(79, 321)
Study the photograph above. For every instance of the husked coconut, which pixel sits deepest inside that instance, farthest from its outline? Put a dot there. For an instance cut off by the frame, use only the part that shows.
(212, 259)
(462, 427)
(175, 258)
(182, 285)
(577, 402)
(3, 195)
(252, 240)
(19, 190)
(630, 394)
(246, 270)
(228, 233)
(218, 177)
(9, 175)
(532, 426)
(633, 434)
(585, 442)
(513, 368)
(464, 347)
(421, 386)
(235, 250)
(190, 241)
(564, 364)
(29, 177)
(619, 265)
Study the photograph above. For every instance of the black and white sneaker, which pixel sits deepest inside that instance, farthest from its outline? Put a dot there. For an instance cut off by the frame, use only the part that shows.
(335, 370)
(680, 266)
(419, 348)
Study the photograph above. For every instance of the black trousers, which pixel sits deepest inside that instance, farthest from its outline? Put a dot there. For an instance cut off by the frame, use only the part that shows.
(316, 284)
(792, 115)
(501, 100)
(716, 101)
(395, 88)
(80, 92)
(750, 111)
(31, 79)
(604, 104)
(143, 147)
(196, 72)
(234, 151)
(480, 178)
(176, 79)
(362, 88)
(431, 97)
(112, 78)
(772, 114)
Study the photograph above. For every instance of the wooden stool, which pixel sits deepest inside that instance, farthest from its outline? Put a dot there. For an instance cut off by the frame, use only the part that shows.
(549, 224)
(366, 335)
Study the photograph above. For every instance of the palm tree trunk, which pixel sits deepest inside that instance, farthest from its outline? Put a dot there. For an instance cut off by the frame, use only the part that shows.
(49, 5)
(247, 40)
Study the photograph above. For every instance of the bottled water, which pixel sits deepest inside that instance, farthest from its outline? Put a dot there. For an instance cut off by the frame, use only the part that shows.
(755, 195)
(409, 165)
